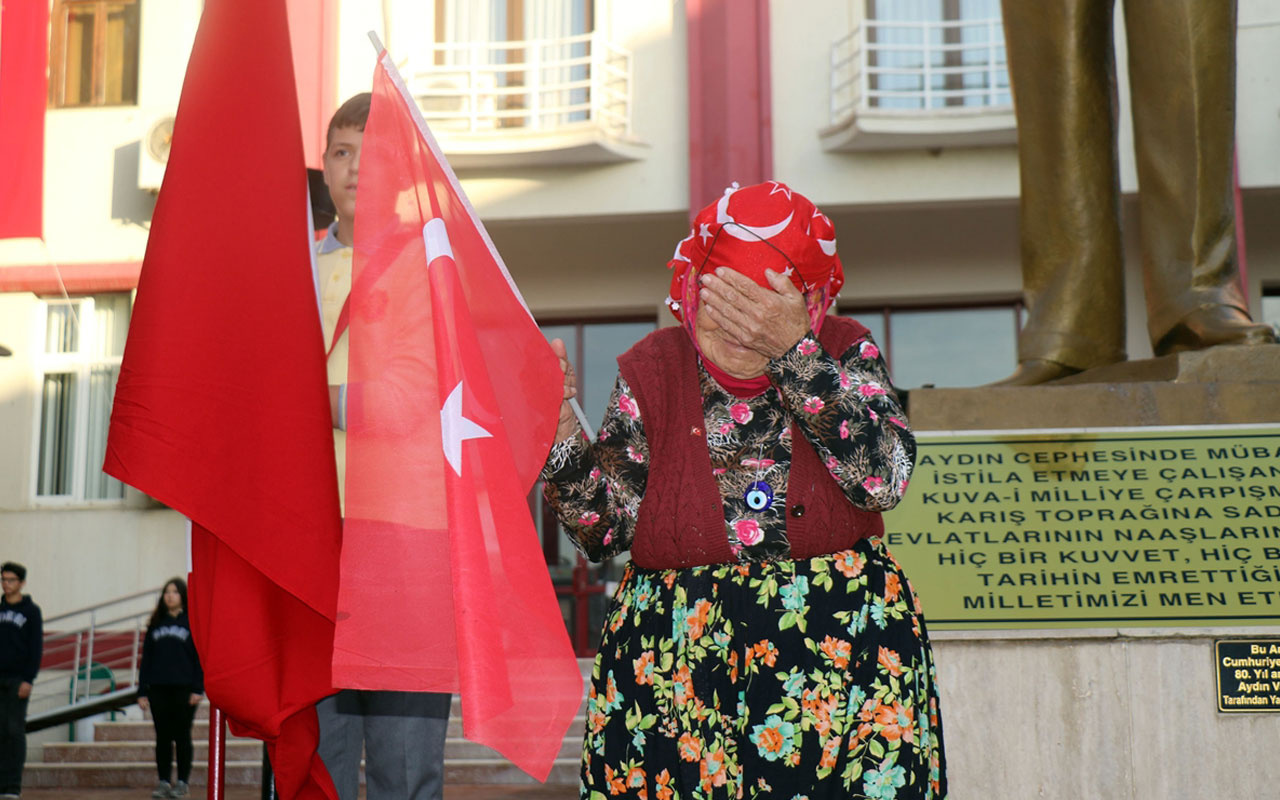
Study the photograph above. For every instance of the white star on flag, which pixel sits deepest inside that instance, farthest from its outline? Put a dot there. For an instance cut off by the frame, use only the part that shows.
(455, 429)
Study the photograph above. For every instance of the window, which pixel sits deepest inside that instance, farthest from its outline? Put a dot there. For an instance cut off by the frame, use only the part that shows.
(93, 51)
(955, 346)
(930, 54)
(1271, 307)
(78, 367)
(529, 59)
(593, 350)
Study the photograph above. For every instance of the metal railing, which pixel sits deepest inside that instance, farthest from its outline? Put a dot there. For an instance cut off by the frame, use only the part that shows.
(920, 66)
(91, 659)
(536, 84)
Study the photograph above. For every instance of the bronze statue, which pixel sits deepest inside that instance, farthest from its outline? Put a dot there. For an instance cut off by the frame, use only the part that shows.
(1182, 74)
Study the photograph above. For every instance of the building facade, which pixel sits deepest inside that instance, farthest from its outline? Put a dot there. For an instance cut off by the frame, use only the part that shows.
(580, 131)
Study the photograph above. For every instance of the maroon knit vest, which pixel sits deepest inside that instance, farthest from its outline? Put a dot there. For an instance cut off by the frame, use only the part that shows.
(681, 520)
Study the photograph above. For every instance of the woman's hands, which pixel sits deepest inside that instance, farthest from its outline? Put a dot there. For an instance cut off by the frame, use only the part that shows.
(195, 699)
(144, 703)
(568, 420)
(769, 322)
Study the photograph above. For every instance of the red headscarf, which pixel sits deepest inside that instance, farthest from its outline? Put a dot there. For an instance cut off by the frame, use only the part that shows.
(765, 226)
(751, 229)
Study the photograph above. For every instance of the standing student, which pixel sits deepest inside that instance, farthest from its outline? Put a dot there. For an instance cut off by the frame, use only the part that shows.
(21, 645)
(170, 686)
(401, 733)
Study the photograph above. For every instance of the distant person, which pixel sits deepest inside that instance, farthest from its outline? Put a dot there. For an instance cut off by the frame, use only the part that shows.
(170, 686)
(401, 734)
(21, 646)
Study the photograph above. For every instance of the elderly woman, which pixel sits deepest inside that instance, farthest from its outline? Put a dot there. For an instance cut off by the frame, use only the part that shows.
(762, 641)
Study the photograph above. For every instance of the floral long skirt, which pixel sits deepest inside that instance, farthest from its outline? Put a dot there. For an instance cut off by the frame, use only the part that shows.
(794, 679)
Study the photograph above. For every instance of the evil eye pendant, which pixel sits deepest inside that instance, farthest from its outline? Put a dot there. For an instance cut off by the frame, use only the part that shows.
(758, 496)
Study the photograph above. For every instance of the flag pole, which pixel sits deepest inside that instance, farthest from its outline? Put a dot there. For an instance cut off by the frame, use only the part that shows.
(573, 401)
(215, 783)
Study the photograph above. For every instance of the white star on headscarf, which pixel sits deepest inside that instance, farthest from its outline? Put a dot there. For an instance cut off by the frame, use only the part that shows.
(455, 429)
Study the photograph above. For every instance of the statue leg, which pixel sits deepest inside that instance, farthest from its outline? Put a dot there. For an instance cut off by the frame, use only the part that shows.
(1062, 67)
(1182, 72)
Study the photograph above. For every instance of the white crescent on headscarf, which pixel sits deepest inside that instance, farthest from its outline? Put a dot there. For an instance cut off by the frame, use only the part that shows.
(746, 233)
(677, 255)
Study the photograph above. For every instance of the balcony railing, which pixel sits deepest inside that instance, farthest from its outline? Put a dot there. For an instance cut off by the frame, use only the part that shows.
(919, 66)
(518, 87)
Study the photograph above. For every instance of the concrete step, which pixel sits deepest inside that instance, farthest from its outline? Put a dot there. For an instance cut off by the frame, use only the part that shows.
(564, 772)
(139, 752)
(455, 710)
(134, 730)
(42, 775)
(584, 666)
(122, 754)
(125, 752)
(143, 731)
(241, 773)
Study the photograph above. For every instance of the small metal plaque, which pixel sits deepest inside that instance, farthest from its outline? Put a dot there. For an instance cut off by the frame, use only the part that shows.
(1248, 674)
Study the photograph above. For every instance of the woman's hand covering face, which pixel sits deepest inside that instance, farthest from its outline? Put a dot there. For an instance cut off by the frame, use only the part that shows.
(742, 325)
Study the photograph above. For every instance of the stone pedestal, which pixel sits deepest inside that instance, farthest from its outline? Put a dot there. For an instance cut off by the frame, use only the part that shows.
(1207, 387)
(1113, 713)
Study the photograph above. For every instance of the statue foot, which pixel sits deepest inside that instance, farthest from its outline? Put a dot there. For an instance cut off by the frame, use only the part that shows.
(1034, 371)
(1214, 325)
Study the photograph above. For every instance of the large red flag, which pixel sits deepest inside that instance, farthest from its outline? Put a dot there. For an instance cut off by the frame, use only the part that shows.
(24, 37)
(221, 410)
(453, 396)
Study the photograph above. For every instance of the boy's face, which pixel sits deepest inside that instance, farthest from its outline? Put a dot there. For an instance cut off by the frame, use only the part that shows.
(342, 168)
(12, 586)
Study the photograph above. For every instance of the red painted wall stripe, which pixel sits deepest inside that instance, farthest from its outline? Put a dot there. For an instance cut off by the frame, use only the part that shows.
(24, 44)
(730, 107)
(77, 278)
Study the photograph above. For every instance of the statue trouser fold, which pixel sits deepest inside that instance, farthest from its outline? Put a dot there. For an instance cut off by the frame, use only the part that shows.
(1182, 76)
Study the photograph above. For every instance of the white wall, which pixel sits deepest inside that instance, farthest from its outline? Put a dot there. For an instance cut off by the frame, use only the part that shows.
(17, 400)
(1109, 714)
(800, 50)
(82, 557)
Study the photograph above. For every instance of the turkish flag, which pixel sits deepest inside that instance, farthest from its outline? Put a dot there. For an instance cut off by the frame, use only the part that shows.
(24, 39)
(453, 397)
(221, 409)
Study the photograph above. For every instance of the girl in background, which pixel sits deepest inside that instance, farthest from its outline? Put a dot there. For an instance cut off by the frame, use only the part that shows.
(171, 685)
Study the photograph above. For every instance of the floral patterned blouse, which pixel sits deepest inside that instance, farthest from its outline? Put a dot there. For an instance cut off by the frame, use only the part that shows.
(844, 406)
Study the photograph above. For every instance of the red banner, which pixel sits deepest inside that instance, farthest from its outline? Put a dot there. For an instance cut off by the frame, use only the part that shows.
(24, 41)
(222, 408)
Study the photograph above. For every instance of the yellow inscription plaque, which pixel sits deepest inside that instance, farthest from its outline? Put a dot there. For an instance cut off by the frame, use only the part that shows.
(1094, 528)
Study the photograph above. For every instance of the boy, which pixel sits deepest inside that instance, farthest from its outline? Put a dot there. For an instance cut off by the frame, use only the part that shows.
(21, 646)
(402, 733)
